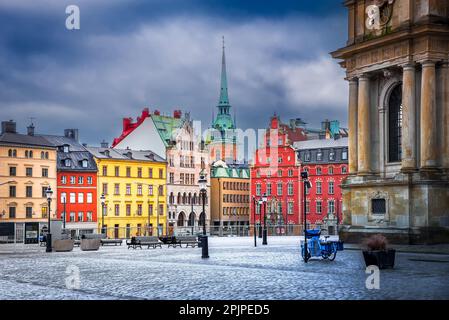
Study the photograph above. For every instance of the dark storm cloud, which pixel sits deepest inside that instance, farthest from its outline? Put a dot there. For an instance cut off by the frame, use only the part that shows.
(166, 54)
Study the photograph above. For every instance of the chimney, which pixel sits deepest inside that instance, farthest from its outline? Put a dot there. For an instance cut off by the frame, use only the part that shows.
(71, 134)
(177, 114)
(104, 144)
(157, 113)
(30, 130)
(9, 127)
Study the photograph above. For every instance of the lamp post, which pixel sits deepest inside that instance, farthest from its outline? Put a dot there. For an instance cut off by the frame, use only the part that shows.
(305, 179)
(49, 194)
(203, 190)
(103, 202)
(64, 213)
(260, 203)
(264, 200)
(255, 236)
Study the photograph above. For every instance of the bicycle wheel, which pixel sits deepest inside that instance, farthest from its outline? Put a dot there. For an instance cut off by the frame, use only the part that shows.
(333, 255)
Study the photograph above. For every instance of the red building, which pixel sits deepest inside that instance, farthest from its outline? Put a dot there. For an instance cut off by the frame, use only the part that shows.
(76, 185)
(326, 161)
(276, 174)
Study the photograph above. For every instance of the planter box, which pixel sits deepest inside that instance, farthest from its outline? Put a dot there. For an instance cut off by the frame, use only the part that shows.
(63, 245)
(382, 259)
(90, 244)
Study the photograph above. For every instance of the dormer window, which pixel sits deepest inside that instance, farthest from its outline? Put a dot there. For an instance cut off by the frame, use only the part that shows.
(84, 163)
(106, 153)
(129, 154)
(319, 156)
(332, 155)
(66, 148)
(67, 162)
(307, 156)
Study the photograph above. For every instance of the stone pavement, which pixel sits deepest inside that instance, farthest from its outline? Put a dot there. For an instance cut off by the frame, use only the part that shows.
(235, 270)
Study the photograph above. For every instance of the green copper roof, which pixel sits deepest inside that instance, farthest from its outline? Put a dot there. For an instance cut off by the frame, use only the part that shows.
(223, 121)
(166, 125)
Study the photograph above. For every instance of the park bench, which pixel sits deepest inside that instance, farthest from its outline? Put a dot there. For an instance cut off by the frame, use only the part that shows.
(103, 239)
(172, 242)
(191, 241)
(139, 241)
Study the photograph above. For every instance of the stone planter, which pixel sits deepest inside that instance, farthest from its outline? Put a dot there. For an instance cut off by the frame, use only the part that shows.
(90, 244)
(382, 258)
(65, 245)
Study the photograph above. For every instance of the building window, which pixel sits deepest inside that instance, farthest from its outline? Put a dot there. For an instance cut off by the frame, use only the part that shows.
(331, 187)
(150, 190)
(161, 173)
(307, 156)
(89, 180)
(139, 189)
(72, 216)
(84, 163)
(150, 209)
(63, 180)
(63, 197)
(29, 172)
(307, 206)
(80, 180)
(331, 206)
(80, 197)
(319, 156)
(258, 189)
(395, 125)
(72, 197)
(139, 172)
(89, 216)
(330, 170)
(12, 171)
(117, 209)
(344, 169)
(290, 188)
(128, 172)
(105, 188)
(66, 149)
(290, 173)
(44, 192)
(139, 209)
(378, 206)
(319, 207)
(67, 162)
(318, 171)
(344, 155)
(279, 173)
(318, 187)
(116, 189)
(279, 188)
(279, 159)
(12, 191)
(290, 208)
(80, 216)
(117, 171)
(332, 156)
(161, 210)
(268, 189)
(128, 210)
(128, 189)
(29, 191)
(89, 197)
(12, 212)
(150, 173)
(105, 171)
(72, 180)
(172, 178)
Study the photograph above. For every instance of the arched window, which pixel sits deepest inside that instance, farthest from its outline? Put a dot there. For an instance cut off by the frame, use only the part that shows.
(181, 219)
(14, 153)
(42, 155)
(395, 125)
(26, 153)
(179, 198)
(191, 222)
(31, 154)
(10, 153)
(46, 155)
(200, 221)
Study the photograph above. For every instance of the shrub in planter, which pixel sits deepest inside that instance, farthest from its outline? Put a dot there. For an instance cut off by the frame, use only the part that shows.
(376, 252)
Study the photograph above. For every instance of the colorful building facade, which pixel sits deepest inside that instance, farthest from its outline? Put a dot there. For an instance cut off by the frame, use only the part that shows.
(27, 169)
(230, 197)
(134, 186)
(276, 174)
(326, 161)
(76, 194)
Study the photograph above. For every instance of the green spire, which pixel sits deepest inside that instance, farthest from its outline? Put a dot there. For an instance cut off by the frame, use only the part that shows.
(224, 99)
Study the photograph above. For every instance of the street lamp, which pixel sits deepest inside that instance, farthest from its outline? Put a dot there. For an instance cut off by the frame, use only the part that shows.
(203, 190)
(260, 203)
(103, 202)
(264, 200)
(49, 194)
(255, 236)
(307, 184)
(64, 213)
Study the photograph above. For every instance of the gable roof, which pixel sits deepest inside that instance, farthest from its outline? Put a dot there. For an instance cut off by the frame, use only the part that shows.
(124, 154)
(25, 140)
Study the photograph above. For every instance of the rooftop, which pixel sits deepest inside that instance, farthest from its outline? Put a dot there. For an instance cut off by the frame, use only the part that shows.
(124, 154)
(321, 144)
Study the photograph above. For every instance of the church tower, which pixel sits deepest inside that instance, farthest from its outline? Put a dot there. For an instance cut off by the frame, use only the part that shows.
(223, 144)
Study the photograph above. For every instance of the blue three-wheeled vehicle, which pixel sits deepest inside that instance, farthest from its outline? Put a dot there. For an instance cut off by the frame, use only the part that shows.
(326, 249)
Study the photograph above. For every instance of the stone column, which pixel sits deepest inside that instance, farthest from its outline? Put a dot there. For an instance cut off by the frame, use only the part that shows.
(408, 118)
(352, 123)
(428, 135)
(445, 102)
(364, 126)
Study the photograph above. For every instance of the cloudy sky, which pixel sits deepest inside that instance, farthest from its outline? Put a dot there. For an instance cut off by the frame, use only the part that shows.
(166, 55)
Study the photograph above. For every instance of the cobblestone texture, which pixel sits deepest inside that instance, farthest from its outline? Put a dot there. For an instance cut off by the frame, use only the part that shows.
(235, 270)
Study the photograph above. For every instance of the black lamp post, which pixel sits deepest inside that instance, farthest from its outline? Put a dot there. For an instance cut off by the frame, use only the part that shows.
(305, 179)
(203, 190)
(264, 200)
(255, 236)
(260, 203)
(103, 201)
(64, 214)
(49, 194)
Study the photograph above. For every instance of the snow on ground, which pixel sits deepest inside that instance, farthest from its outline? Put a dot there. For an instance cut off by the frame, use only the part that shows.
(235, 270)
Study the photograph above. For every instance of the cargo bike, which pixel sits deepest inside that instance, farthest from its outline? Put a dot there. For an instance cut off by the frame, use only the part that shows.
(316, 247)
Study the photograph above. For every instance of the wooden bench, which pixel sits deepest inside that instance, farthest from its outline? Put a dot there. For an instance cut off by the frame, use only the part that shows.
(103, 239)
(191, 241)
(173, 242)
(139, 241)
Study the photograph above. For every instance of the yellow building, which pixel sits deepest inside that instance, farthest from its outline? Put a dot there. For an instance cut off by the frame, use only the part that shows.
(27, 169)
(134, 186)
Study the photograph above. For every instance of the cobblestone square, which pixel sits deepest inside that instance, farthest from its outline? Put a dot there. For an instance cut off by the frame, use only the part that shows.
(235, 270)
